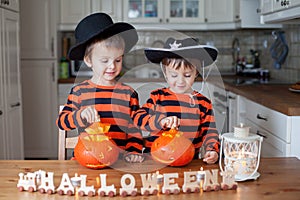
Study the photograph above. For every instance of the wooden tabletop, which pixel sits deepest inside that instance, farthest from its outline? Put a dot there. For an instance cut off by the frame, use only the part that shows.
(280, 179)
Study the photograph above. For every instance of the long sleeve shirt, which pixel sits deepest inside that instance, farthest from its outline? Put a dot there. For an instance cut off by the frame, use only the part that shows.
(195, 112)
(115, 105)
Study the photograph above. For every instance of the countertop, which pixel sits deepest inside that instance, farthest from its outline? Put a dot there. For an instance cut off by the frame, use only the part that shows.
(274, 96)
(279, 179)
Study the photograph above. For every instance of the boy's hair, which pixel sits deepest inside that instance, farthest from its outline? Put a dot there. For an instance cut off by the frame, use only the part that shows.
(115, 41)
(177, 63)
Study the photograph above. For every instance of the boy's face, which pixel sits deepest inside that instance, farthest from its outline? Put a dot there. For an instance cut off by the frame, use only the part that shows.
(106, 63)
(180, 80)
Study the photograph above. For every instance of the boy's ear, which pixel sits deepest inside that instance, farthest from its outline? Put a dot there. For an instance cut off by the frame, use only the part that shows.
(87, 61)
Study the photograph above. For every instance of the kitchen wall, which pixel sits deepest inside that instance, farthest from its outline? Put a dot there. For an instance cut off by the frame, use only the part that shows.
(249, 39)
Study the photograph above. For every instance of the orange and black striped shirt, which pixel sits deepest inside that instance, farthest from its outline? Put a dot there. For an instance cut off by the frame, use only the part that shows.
(195, 112)
(115, 105)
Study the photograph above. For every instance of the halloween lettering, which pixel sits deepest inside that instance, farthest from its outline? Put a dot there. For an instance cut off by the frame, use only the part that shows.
(152, 183)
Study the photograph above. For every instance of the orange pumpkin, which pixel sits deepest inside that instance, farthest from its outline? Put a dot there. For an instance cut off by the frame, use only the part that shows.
(173, 149)
(96, 150)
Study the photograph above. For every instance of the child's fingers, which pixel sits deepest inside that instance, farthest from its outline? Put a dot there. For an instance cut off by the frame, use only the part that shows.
(170, 122)
(164, 122)
(134, 158)
(211, 157)
(174, 122)
(90, 114)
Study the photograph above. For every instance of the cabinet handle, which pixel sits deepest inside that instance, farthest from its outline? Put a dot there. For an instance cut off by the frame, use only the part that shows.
(52, 46)
(160, 20)
(15, 105)
(258, 10)
(231, 97)
(262, 118)
(1, 112)
(262, 135)
(167, 20)
(53, 72)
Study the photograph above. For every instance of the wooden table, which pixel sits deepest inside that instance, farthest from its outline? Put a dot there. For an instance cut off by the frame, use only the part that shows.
(280, 179)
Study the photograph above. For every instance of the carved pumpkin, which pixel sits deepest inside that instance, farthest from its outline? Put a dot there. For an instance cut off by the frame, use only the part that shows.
(95, 150)
(173, 149)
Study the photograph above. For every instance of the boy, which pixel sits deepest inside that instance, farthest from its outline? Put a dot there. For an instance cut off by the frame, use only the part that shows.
(179, 106)
(101, 44)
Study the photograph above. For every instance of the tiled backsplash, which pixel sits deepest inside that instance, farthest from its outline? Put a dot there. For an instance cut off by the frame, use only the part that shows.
(248, 39)
(256, 39)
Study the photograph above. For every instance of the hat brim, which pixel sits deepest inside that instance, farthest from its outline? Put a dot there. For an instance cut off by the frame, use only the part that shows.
(125, 30)
(204, 53)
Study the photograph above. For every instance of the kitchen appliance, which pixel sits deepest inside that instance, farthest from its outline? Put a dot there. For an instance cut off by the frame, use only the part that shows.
(243, 80)
(79, 68)
(220, 106)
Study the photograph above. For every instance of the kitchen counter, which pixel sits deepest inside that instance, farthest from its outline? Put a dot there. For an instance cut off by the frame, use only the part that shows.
(280, 179)
(274, 96)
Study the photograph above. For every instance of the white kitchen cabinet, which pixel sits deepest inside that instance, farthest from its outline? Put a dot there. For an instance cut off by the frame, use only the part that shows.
(11, 124)
(276, 128)
(221, 11)
(266, 6)
(171, 14)
(10, 5)
(169, 11)
(218, 96)
(72, 11)
(250, 13)
(234, 14)
(38, 29)
(40, 108)
(280, 11)
(39, 77)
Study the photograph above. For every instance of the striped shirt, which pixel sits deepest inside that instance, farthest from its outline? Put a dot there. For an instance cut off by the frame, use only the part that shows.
(115, 105)
(195, 112)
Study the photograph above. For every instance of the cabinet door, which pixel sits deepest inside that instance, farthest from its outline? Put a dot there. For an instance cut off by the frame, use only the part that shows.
(221, 11)
(72, 11)
(12, 87)
(10, 4)
(2, 135)
(2, 122)
(113, 8)
(143, 11)
(40, 108)
(38, 29)
(266, 6)
(191, 11)
(272, 146)
(232, 111)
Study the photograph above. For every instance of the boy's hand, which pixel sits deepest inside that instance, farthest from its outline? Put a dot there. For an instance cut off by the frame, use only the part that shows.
(211, 157)
(134, 158)
(172, 122)
(90, 114)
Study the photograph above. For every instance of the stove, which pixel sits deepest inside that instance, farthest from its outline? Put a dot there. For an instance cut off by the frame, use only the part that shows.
(239, 81)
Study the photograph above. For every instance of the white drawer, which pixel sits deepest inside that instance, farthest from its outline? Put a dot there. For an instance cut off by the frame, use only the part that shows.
(270, 120)
(272, 146)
